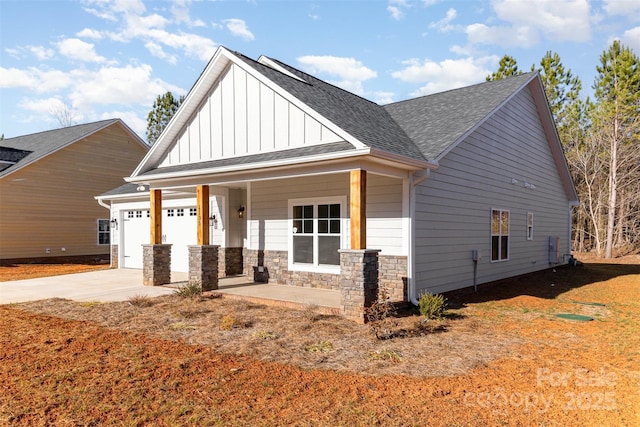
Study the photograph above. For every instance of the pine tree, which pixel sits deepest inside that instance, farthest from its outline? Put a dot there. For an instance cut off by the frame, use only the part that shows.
(508, 67)
(164, 107)
(617, 118)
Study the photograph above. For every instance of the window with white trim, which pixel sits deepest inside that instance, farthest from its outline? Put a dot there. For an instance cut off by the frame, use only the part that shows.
(529, 225)
(499, 235)
(316, 234)
(104, 232)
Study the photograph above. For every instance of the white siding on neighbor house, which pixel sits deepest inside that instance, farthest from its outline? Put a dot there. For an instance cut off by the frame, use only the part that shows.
(243, 116)
(269, 210)
(453, 206)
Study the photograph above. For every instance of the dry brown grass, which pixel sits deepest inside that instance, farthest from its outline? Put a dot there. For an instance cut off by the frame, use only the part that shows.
(172, 362)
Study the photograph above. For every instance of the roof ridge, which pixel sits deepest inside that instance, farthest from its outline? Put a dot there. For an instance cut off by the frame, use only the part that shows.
(59, 129)
(499, 81)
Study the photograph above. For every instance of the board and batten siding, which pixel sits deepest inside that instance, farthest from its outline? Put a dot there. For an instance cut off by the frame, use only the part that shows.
(269, 216)
(243, 116)
(491, 169)
(50, 203)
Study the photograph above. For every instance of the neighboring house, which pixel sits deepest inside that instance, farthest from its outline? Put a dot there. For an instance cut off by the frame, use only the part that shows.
(316, 186)
(48, 181)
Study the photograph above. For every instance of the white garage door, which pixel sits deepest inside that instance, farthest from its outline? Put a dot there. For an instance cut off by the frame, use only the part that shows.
(178, 229)
(136, 226)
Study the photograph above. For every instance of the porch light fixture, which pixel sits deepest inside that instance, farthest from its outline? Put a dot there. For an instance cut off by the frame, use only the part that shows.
(114, 224)
(140, 187)
(213, 221)
(241, 211)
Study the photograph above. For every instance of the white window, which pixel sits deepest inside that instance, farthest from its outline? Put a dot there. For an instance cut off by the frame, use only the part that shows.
(104, 232)
(193, 212)
(499, 235)
(316, 230)
(530, 226)
(180, 212)
(170, 212)
(130, 214)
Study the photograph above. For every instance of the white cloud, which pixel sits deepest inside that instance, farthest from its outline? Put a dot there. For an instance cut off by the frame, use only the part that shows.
(131, 85)
(631, 38)
(239, 28)
(88, 33)
(525, 22)
(35, 79)
(445, 75)
(444, 25)
(80, 50)
(395, 8)
(151, 29)
(132, 118)
(351, 72)
(523, 36)
(157, 51)
(180, 11)
(628, 8)
(41, 52)
(383, 98)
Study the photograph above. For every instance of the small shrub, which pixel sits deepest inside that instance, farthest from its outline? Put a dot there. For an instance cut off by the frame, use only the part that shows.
(181, 326)
(228, 322)
(189, 290)
(319, 347)
(265, 335)
(432, 306)
(310, 313)
(380, 316)
(385, 354)
(140, 301)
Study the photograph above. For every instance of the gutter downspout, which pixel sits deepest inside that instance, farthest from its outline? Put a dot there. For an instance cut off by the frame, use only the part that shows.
(108, 207)
(413, 183)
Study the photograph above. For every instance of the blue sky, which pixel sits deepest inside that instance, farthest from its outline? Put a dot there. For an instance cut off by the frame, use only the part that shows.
(100, 59)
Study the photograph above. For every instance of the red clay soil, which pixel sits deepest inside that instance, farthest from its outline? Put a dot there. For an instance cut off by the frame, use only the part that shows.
(64, 372)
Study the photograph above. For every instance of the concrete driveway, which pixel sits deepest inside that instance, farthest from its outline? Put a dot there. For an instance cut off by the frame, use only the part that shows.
(102, 285)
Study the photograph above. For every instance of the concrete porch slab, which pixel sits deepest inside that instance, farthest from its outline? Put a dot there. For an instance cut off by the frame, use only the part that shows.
(325, 301)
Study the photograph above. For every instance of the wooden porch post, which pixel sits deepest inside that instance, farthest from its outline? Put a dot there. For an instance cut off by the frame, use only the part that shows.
(202, 196)
(358, 209)
(156, 216)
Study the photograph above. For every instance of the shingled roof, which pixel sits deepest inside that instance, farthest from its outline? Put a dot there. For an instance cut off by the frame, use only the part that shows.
(435, 122)
(24, 150)
(421, 130)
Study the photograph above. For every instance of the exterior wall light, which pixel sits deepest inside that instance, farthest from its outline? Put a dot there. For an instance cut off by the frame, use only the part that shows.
(241, 210)
(213, 221)
(113, 224)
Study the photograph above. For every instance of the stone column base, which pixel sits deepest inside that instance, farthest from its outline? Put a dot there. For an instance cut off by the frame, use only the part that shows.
(358, 282)
(203, 266)
(114, 256)
(156, 265)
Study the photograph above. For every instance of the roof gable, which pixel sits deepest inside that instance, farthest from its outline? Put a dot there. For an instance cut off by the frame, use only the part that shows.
(318, 104)
(28, 149)
(242, 116)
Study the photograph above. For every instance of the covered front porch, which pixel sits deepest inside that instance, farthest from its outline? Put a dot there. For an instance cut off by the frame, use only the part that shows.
(347, 273)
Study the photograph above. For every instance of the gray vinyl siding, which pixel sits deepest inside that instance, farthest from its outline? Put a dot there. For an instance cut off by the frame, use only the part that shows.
(453, 206)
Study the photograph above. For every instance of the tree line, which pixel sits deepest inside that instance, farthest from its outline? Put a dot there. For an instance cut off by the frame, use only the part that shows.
(600, 137)
(601, 140)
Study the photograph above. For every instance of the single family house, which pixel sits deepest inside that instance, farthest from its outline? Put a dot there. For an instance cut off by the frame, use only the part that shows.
(272, 173)
(48, 181)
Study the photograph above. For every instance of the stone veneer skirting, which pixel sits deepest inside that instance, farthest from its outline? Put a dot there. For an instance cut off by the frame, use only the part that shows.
(229, 262)
(392, 273)
(114, 256)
